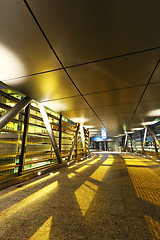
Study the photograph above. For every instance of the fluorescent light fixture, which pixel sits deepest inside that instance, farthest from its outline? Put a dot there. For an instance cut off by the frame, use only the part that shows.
(121, 135)
(79, 120)
(149, 123)
(93, 130)
(154, 113)
(88, 126)
(137, 129)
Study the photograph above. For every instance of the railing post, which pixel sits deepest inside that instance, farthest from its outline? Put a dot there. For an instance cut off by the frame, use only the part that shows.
(50, 132)
(24, 140)
(125, 142)
(142, 146)
(8, 116)
(156, 142)
(73, 144)
(131, 142)
(60, 132)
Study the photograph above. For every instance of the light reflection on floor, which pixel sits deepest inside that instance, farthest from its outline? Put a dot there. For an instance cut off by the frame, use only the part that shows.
(145, 181)
(28, 200)
(43, 233)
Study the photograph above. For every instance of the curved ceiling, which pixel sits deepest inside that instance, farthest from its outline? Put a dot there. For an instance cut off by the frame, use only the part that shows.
(96, 60)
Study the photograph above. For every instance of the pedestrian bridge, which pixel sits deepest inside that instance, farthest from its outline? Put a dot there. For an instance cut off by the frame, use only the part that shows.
(107, 196)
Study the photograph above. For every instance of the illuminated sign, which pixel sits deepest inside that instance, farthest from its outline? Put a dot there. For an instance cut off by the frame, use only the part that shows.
(103, 133)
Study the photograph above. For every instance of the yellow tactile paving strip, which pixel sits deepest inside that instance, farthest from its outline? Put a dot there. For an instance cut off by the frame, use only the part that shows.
(147, 186)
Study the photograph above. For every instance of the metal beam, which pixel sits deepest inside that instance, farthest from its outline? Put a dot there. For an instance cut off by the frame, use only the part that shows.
(73, 143)
(131, 142)
(83, 138)
(8, 116)
(24, 140)
(60, 132)
(134, 144)
(142, 145)
(125, 142)
(50, 132)
(154, 136)
(145, 136)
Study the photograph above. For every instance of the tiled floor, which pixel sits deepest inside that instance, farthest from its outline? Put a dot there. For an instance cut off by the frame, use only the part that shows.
(109, 196)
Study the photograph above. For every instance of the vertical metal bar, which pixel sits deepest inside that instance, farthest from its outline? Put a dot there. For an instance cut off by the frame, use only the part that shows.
(73, 144)
(134, 144)
(156, 150)
(60, 132)
(131, 142)
(50, 132)
(83, 138)
(145, 136)
(8, 116)
(125, 142)
(154, 136)
(142, 141)
(24, 139)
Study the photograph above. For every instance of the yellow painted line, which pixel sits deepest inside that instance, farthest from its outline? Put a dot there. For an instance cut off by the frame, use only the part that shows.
(43, 233)
(28, 200)
(29, 185)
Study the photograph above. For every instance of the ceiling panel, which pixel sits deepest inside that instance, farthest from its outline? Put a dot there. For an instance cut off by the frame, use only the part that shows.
(152, 92)
(45, 87)
(116, 97)
(68, 105)
(116, 73)
(85, 30)
(79, 32)
(21, 43)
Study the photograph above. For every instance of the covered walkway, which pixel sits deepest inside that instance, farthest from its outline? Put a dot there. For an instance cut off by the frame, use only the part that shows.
(108, 196)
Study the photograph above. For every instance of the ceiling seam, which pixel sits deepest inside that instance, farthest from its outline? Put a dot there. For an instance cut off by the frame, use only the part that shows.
(147, 84)
(47, 40)
(85, 63)
(104, 91)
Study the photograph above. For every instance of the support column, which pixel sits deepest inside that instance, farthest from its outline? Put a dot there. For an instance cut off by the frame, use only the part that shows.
(50, 132)
(73, 144)
(24, 140)
(154, 136)
(60, 132)
(125, 142)
(156, 142)
(142, 141)
(131, 142)
(8, 116)
(134, 144)
(145, 136)
(83, 138)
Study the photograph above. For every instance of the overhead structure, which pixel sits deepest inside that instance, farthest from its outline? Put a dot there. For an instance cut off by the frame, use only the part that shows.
(95, 61)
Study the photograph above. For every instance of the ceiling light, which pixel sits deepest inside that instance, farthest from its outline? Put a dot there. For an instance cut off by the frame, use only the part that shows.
(149, 123)
(10, 65)
(93, 130)
(137, 129)
(88, 126)
(79, 120)
(154, 113)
